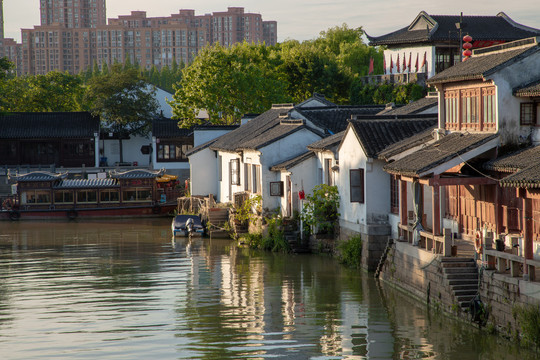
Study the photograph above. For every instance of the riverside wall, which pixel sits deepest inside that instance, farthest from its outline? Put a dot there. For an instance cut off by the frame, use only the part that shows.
(420, 273)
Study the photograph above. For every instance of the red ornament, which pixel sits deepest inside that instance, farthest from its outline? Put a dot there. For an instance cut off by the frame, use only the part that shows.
(467, 53)
(467, 38)
(467, 46)
(301, 195)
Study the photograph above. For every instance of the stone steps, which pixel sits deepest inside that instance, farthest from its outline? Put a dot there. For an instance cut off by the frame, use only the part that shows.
(218, 218)
(462, 277)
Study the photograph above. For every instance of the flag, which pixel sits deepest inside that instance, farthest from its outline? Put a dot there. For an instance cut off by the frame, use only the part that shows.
(404, 62)
(410, 55)
(370, 71)
(391, 64)
(424, 61)
(416, 66)
(384, 64)
(397, 63)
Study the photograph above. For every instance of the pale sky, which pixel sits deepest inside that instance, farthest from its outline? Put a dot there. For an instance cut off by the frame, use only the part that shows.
(300, 19)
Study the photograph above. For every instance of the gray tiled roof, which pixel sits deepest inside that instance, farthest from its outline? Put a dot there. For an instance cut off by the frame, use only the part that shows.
(258, 132)
(38, 176)
(479, 67)
(528, 178)
(416, 140)
(530, 90)
(86, 183)
(334, 119)
(286, 165)
(327, 143)
(168, 128)
(447, 148)
(414, 107)
(136, 174)
(518, 160)
(200, 147)
(376, 135)
(48, 125)
(484, 28)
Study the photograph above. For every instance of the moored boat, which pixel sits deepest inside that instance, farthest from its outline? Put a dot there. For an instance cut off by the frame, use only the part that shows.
(186, 225)
(45, 195)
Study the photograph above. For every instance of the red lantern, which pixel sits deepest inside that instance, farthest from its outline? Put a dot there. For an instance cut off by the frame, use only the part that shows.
(467, 46)
(301, 195)
(467, 38)
(467, 53)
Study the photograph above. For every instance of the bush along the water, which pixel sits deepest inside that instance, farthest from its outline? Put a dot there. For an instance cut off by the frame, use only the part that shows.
(275, 238)
(351, 252)
(320, 212)
(528, 318)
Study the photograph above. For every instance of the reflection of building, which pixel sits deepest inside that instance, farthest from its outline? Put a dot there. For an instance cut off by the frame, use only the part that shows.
(74, 35)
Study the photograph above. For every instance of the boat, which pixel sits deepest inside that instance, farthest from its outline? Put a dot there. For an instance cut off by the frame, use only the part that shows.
(131, 193)
(181, 225)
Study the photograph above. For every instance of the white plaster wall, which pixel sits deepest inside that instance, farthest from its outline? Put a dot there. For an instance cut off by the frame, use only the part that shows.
(203, 173)
(166, 165)
(225, 190)
(394, 220)
(351, 157)
(203, 136)
(414, 51)
(131, 150)
(302, 178)
(279, 151)
(321, 157)
(508, 108)
(162, 96)
(377, 189)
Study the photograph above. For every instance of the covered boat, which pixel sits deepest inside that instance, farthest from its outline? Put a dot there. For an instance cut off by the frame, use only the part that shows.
(181, 223)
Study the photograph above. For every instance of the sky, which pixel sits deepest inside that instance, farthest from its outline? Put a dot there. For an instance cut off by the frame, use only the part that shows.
(299, 19)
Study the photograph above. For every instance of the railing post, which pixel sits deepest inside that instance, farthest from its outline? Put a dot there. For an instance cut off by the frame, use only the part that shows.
(447, 248)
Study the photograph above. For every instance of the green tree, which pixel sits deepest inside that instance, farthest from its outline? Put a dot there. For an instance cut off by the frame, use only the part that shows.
(227, 83)
(124, 101)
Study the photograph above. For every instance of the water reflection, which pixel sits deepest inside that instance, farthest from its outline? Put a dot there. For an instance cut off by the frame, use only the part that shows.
(126, 290)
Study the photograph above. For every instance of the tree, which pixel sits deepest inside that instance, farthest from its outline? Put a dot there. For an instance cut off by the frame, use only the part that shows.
(54, 91)
(227, 83)
(123, 100)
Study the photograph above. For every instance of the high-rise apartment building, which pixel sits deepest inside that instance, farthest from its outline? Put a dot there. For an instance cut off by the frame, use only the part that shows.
(73, 13)
(156, 41)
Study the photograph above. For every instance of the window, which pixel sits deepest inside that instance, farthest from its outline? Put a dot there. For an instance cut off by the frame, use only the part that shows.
(488, 104)
(472, 108)
(356, 177)
(276, 188)
(109, 196)
(86, 196)
(394, 194)
(220, 167)
(527, 114)
(248, 178)
(256, 178)
(63, 196)
(234, 168)
(328, 171)
(137, 194)
(36, 197)
(173, 151)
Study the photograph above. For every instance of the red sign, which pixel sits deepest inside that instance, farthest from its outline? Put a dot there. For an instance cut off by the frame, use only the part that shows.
(486, 43)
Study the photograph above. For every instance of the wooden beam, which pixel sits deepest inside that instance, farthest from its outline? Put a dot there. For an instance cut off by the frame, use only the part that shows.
(527, 229)
(446, 181)
(403, 202)
(436, 210)
(407, 178)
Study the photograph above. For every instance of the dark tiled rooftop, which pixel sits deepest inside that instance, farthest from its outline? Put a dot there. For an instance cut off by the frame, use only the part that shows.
(334, 119)
(38, 176)
(515, 161)
(376, 135)
(481, 28)
(327, 143)
(288, 164)
(447, 148)
(528, 178)
(86, 183)
(478, 67)
(423, 137)
(414, 107)
(530, 90)
(136, 174)
(48, 125)
(168, 128)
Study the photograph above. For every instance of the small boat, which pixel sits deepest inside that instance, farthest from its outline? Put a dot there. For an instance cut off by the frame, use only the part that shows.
(186, 225)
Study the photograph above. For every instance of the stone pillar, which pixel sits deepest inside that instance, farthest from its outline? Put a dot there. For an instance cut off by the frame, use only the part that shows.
(447, 249)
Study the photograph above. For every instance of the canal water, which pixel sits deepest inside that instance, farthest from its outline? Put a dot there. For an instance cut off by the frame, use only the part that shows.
(126, 290)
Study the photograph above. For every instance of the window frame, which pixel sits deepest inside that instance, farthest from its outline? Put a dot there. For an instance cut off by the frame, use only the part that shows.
(531, 113)
(359, 186)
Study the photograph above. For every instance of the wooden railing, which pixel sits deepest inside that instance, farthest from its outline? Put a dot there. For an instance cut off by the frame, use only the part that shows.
(501, 262)
(438, 244)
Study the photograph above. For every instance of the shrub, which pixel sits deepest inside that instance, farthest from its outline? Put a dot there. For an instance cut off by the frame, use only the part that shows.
(321, 209)
(351, 251)
(528, 317)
